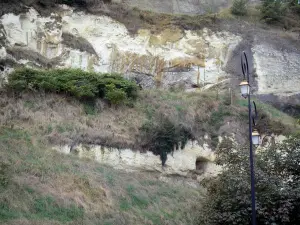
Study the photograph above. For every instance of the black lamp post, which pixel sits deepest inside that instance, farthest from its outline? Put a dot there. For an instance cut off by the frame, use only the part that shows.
(254, 137)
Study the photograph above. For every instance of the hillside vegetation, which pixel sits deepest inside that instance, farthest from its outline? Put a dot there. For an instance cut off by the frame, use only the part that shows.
(276, 180)
(72, 106)
(41, 186)
(40, 109)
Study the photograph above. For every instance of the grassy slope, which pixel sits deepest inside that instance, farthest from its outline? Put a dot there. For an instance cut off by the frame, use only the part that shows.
(45, 187)
(63, 120)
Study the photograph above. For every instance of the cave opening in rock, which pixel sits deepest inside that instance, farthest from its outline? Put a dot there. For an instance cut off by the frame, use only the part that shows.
(201, 163)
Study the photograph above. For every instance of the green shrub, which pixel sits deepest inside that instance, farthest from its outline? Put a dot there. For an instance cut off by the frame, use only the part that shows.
(273, 11)
(239, 7)
(114, 95)
(78, 83)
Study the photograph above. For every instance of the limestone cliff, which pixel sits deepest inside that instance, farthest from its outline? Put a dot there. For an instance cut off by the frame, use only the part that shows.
(99, 43)
(171, 57)
(194, 160)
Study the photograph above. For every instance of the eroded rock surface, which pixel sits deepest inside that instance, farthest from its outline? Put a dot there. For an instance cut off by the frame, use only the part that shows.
(99, 43)
(193, 159)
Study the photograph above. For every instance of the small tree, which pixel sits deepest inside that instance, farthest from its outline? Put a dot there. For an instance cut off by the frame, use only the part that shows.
(277, 177)
(239, 7)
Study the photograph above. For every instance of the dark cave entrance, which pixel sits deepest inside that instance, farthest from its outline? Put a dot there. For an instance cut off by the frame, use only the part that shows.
(201, 163)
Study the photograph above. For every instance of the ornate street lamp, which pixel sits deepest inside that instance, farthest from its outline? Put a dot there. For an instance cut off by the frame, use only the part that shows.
(254, 137)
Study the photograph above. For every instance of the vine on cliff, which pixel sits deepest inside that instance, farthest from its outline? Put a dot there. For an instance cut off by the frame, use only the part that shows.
(162, 137)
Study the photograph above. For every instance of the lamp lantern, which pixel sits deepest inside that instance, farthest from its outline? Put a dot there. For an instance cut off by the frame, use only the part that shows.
(245, 89)
(255, 137)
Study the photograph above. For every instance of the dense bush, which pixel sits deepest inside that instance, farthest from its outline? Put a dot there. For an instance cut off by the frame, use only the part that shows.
(83, 85)
(115, 95)
(239, 7)
(277, 177)
(163, 137)
(273, 11)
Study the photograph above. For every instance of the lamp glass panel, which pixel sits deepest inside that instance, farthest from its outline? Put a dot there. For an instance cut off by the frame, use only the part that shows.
(245, 90)
(256, 139)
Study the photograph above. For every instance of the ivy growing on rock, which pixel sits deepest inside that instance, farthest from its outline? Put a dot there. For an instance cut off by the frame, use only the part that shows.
(163, 137)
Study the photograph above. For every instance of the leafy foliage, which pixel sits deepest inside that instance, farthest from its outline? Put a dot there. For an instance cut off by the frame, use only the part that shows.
(239, 7)
(115, 95)
(277, 174)
(82, 85)
(273, 11)
(162, 137)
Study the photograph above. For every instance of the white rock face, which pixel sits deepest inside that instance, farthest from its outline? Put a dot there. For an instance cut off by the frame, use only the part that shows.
(182, 162)
(278, 71)
(168, 57)
(171, 58)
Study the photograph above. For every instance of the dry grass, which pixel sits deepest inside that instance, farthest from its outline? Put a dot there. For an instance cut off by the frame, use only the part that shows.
(63, 120)
(202, 113)
(135, 19)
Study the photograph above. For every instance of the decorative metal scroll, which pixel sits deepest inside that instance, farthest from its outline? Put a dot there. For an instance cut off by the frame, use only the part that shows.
(245, 66)
(254, 115)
